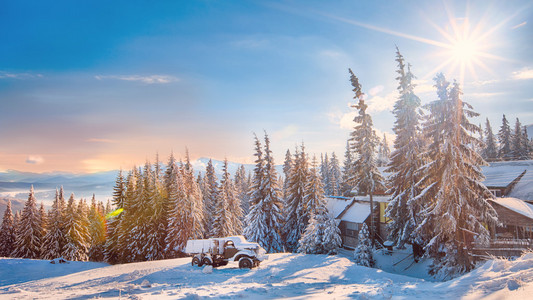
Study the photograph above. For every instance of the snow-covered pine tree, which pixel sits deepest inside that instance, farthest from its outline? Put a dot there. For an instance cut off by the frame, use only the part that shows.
(406, 159)
(27, 241)
(128, 221)
(55, 238)
(363, 252)
(265, 220)
(348, 172)
(456, 207)
(295, 212)
(242, 187)
(97, 235)
(287, 166)
(366, 177)
(75, 247)
(490, 152)
(43, 219)
(112, 242)
(210, 196)
(324, 173)
(525, 143)
(222, 218)
(335, 175)
(383, 153)
(175, 239)
(321, 236)
(157, 218)
(195, 206)
(505, 151)
(519, 152)
(7, 232)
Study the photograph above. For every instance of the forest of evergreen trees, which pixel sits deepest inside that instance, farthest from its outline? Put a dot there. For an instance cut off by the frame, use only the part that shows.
(438, 200)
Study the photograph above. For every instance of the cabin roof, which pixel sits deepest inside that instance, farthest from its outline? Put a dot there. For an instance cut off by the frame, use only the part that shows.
(516, 205)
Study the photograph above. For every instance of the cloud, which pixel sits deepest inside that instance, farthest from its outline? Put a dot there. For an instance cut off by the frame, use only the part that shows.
(526, 73)
(519, 25)
(346, 121)
(423, 86)
(375, 90)
(149, 79)
(382, 103)
(286, 132)
(34, 159)
(8, 75)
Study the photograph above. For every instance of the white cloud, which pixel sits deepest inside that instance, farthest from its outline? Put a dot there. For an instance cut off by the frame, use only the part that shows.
(390, 137)
(526, 73)
(34, 159)
(149, 79)
(423, 86)
(375, 90)
(346, 121)
(519, 25)
(382, 103)
(8, 75)
(286, 132)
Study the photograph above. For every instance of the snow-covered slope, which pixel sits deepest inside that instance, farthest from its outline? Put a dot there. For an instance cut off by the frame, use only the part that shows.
(294, 276)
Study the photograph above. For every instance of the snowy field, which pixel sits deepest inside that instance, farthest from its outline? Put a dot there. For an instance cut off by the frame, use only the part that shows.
(294, 276)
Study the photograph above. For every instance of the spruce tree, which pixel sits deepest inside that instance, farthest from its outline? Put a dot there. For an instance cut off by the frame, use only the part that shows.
(287, 166)
(363, 252)
(210, 196)
(223, 216)
(406, 159)
(295, 212)
(525, 144)
(348, 172)
(324, 174)
(242, 187)
(113, 222)
(28, 235)
(505, 151)
(157, 219)
(490, 152)
(175, 240)
(76, 240)
(321, 236)
(335, 175)
(366, 177)
(455, 200)
(264, 221)
(55, 238)
(7, 232)
(519, 152)
(97, 234)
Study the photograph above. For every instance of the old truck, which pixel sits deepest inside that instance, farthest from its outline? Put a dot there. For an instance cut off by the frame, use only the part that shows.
(219, 251)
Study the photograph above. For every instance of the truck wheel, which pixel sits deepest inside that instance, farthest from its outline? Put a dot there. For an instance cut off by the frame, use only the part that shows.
(206, 261)
(196, 261)
(245, 263)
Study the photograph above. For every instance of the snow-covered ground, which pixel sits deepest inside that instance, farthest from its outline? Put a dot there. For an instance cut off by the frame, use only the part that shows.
(294, 276)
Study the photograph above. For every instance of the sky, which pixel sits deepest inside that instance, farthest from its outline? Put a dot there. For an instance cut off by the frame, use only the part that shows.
(88, 86)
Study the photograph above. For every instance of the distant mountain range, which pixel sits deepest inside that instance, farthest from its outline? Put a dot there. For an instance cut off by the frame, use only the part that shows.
(15, 185)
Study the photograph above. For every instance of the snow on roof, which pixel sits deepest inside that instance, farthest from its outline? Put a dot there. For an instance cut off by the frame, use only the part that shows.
(357, 213)
(516, 205)
(336, 205)
(503, 173)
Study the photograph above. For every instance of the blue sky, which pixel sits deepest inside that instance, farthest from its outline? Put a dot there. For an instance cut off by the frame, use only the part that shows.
(92, 85)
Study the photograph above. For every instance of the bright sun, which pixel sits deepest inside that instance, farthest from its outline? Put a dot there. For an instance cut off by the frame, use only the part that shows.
(464, 50)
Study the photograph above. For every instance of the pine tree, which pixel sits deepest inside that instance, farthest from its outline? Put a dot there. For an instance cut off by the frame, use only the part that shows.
(505, 151)
(406, 159)
(383, 153)
(43, 220)
(348, 172)
(97, 234)
(366, 177)
(490, 152)
(525, 144)
(287, 166)
(455, 198)
(519, 152)
(7, 232)
(27, 241)
(157, 219)
(222, 221)
(127, 221)
(210, 196)
(335, 175)
(112, 242)
(321, 236)
(76, 239)
(242, 187)
(175, 239)
(195, 205)
(264, 221)
(363, 252)
(296, 214)
(55, 238)
(324, 173)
